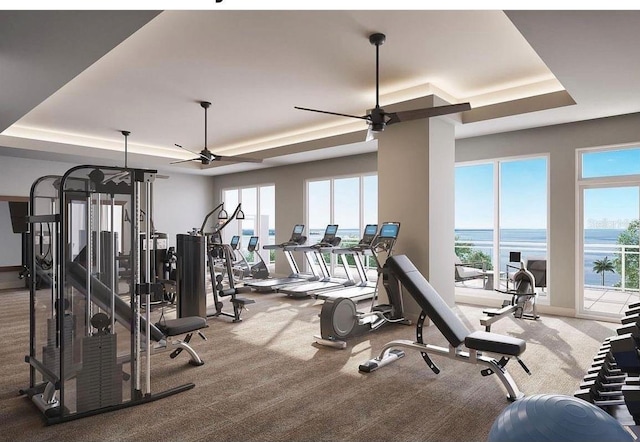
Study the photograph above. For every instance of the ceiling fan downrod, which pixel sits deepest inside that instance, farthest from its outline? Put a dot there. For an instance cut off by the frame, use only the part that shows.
(205, 105)
(126, 133)
(377, 40)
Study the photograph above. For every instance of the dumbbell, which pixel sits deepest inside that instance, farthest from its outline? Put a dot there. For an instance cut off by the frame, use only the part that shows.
(625, 353)
(631, 394)
(608, 366)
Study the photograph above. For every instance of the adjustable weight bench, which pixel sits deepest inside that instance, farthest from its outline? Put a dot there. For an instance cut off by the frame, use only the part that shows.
(182, 326)
(453, 329)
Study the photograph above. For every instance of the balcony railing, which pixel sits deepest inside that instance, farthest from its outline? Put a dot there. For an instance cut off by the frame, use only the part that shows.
(628, 256)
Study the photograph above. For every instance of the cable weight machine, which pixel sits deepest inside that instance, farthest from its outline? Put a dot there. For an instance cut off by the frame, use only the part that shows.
(198, 253)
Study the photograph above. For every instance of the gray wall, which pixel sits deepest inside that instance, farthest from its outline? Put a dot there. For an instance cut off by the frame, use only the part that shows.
(180, 203)
(289, 184)
(18, 174)
(560, 142)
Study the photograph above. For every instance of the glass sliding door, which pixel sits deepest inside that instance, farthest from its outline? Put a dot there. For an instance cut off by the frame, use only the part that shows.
(346, 202)
(259, 207)
(351, 202)
(609, 270)
(608, 186)
(318, 209)
(523, 218)
(500, 207)
(267, 220)
(370, 199)
(474, 227)
(231, 198)
(249, 225)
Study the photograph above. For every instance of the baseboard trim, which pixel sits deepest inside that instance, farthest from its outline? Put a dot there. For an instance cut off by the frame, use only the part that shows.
(19, 284)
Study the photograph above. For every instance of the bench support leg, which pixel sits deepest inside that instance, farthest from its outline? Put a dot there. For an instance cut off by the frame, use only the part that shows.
(504, 376)
(184, 345)
(389, 355)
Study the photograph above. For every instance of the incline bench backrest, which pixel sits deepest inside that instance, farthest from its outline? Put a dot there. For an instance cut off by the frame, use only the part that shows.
(101, 296)
(428, 299)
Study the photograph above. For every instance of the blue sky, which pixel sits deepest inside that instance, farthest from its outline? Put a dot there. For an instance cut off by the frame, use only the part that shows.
(524, 193)
(612, 207)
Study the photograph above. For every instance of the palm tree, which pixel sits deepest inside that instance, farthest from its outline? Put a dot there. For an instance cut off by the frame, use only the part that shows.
(602, 266)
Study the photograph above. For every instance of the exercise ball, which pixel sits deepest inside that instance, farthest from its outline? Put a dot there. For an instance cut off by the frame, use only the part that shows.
(557, 418)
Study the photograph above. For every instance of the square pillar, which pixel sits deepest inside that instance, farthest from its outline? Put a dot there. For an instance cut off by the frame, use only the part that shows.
(416, 177)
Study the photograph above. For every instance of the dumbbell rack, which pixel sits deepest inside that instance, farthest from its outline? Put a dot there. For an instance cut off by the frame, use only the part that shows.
(613, 380)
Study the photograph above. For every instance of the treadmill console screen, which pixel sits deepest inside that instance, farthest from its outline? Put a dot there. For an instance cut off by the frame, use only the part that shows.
(297, 232)
(389, 230)
(330, 233)
(253, 242)
(235, 240)
(369, 233)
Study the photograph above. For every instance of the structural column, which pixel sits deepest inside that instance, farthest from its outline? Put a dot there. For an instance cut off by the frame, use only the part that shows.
(416, 161)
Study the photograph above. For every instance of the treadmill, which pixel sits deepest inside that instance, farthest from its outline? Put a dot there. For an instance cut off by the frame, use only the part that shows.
(270, 284)
(365, 289)
(313, 253)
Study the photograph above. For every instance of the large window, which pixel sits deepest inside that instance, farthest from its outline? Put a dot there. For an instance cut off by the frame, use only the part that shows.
(500, 207)
(258, 205)
(608, 221)
(351, 202)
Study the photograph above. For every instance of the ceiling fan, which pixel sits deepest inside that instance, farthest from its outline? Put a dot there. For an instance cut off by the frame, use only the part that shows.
(377, 118)
(205, 156)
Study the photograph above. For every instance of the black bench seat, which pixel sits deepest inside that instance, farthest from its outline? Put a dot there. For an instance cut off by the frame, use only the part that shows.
(495, 343)
(180, 326)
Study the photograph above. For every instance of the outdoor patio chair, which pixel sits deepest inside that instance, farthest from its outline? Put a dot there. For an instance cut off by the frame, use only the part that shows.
(465, 271)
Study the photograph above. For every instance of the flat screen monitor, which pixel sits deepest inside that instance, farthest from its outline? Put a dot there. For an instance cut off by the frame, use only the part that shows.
(235, 240)
(297, 232)
(19, 210)
(389, 230)
(253, 242)
(330, 232)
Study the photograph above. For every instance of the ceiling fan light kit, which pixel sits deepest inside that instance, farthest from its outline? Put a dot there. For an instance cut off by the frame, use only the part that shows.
(377, 118)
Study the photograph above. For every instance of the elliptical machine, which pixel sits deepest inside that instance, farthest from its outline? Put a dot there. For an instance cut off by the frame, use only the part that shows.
(340, 318)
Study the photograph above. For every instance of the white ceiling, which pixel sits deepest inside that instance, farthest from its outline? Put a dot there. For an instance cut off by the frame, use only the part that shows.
(73, 80)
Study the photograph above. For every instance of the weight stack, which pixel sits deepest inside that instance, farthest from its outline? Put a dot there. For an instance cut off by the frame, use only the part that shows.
(99, 383)
(51, 352)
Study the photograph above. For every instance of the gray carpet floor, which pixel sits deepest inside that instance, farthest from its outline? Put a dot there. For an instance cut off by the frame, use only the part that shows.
(264, 379)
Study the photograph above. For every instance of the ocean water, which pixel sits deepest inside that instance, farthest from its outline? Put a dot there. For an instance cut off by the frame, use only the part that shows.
(533, 243)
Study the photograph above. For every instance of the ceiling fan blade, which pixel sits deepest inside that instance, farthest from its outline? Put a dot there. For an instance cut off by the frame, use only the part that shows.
(185, 161)
(236, 158)
(397, 117)
(331, 113)
(198, 154)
